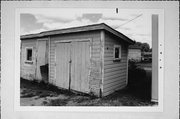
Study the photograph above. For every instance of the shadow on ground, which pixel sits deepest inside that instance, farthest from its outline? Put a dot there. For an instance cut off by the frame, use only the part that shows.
(41, 94)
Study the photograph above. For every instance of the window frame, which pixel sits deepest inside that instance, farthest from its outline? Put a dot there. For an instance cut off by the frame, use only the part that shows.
(26, 55)
(120, 50)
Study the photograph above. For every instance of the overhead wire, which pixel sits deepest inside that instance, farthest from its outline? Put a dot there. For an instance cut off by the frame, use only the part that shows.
(131, 20)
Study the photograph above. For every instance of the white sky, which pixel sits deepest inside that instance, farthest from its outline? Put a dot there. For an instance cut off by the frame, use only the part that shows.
(136, 24)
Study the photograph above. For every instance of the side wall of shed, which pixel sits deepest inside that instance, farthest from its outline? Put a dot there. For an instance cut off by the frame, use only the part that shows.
(95, 77)
(27, 70)
(115, 72)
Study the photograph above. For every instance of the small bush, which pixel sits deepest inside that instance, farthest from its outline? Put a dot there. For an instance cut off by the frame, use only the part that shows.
(132, 65)
(139, 81)
(136, 75)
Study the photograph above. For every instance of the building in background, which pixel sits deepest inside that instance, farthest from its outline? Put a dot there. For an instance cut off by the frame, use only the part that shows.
(134, 53)
(147, 56)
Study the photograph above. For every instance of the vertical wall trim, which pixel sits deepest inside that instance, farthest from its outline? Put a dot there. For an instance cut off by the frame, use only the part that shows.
(54, 65)
(36, 54)
(127, 65)
(90, 63)
(102, 60)
(49, 80)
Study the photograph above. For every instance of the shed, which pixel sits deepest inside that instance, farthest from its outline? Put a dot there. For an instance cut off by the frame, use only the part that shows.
(134, 53)
(91, 59)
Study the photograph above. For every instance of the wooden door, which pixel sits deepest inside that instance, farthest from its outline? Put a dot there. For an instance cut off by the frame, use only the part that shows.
(62, 64)
(80, 56)
(41, 58)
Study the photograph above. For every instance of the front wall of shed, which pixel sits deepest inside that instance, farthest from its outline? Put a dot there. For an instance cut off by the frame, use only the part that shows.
(28, 69)
(115, 72)
(95, 76)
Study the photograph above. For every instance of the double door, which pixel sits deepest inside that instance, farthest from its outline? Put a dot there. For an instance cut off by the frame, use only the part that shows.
(72, 65)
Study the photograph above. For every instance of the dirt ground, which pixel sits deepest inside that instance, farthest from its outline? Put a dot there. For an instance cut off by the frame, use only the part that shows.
(40, 94)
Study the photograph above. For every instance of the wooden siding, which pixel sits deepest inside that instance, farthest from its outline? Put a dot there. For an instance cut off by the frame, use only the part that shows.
(106, 76)
(31, 70)
(95, 76)
(42, 59)
(62, 65)
(28, 69)
(115, 72)
(80, 57)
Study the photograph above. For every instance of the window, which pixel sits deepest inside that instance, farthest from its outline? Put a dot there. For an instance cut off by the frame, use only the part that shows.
(117, 52)
(29, 54)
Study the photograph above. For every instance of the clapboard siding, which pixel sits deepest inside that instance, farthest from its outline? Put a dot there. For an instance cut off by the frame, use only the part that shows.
(115, 82)
(107, 74)
(112, 58)
(113, 78)
(114, 86)
(112, 62)
(114, 69)
(95, 51)
(110, 49)
(110, 90)
(107, 55)
(115, 72)
(114, 65)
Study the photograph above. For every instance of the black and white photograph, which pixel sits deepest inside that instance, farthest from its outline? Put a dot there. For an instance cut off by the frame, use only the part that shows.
(87, 57)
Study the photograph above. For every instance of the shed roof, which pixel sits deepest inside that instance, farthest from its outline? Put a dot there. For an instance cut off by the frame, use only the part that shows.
(101, 26)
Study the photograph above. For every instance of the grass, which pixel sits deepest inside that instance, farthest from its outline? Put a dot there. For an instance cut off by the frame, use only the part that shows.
(52, 96)
(139, 79)
(41, 89)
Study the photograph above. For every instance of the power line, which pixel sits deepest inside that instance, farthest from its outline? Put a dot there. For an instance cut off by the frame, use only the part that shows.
(131, 20)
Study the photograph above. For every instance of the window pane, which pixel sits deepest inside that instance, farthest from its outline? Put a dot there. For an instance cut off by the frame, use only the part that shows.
(29, 54)
(116, 52)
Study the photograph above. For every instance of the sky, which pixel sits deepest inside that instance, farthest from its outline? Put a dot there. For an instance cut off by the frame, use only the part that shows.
(135, 24)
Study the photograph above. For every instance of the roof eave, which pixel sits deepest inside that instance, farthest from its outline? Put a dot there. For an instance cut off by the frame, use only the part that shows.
(118, 34)
(101, 26)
